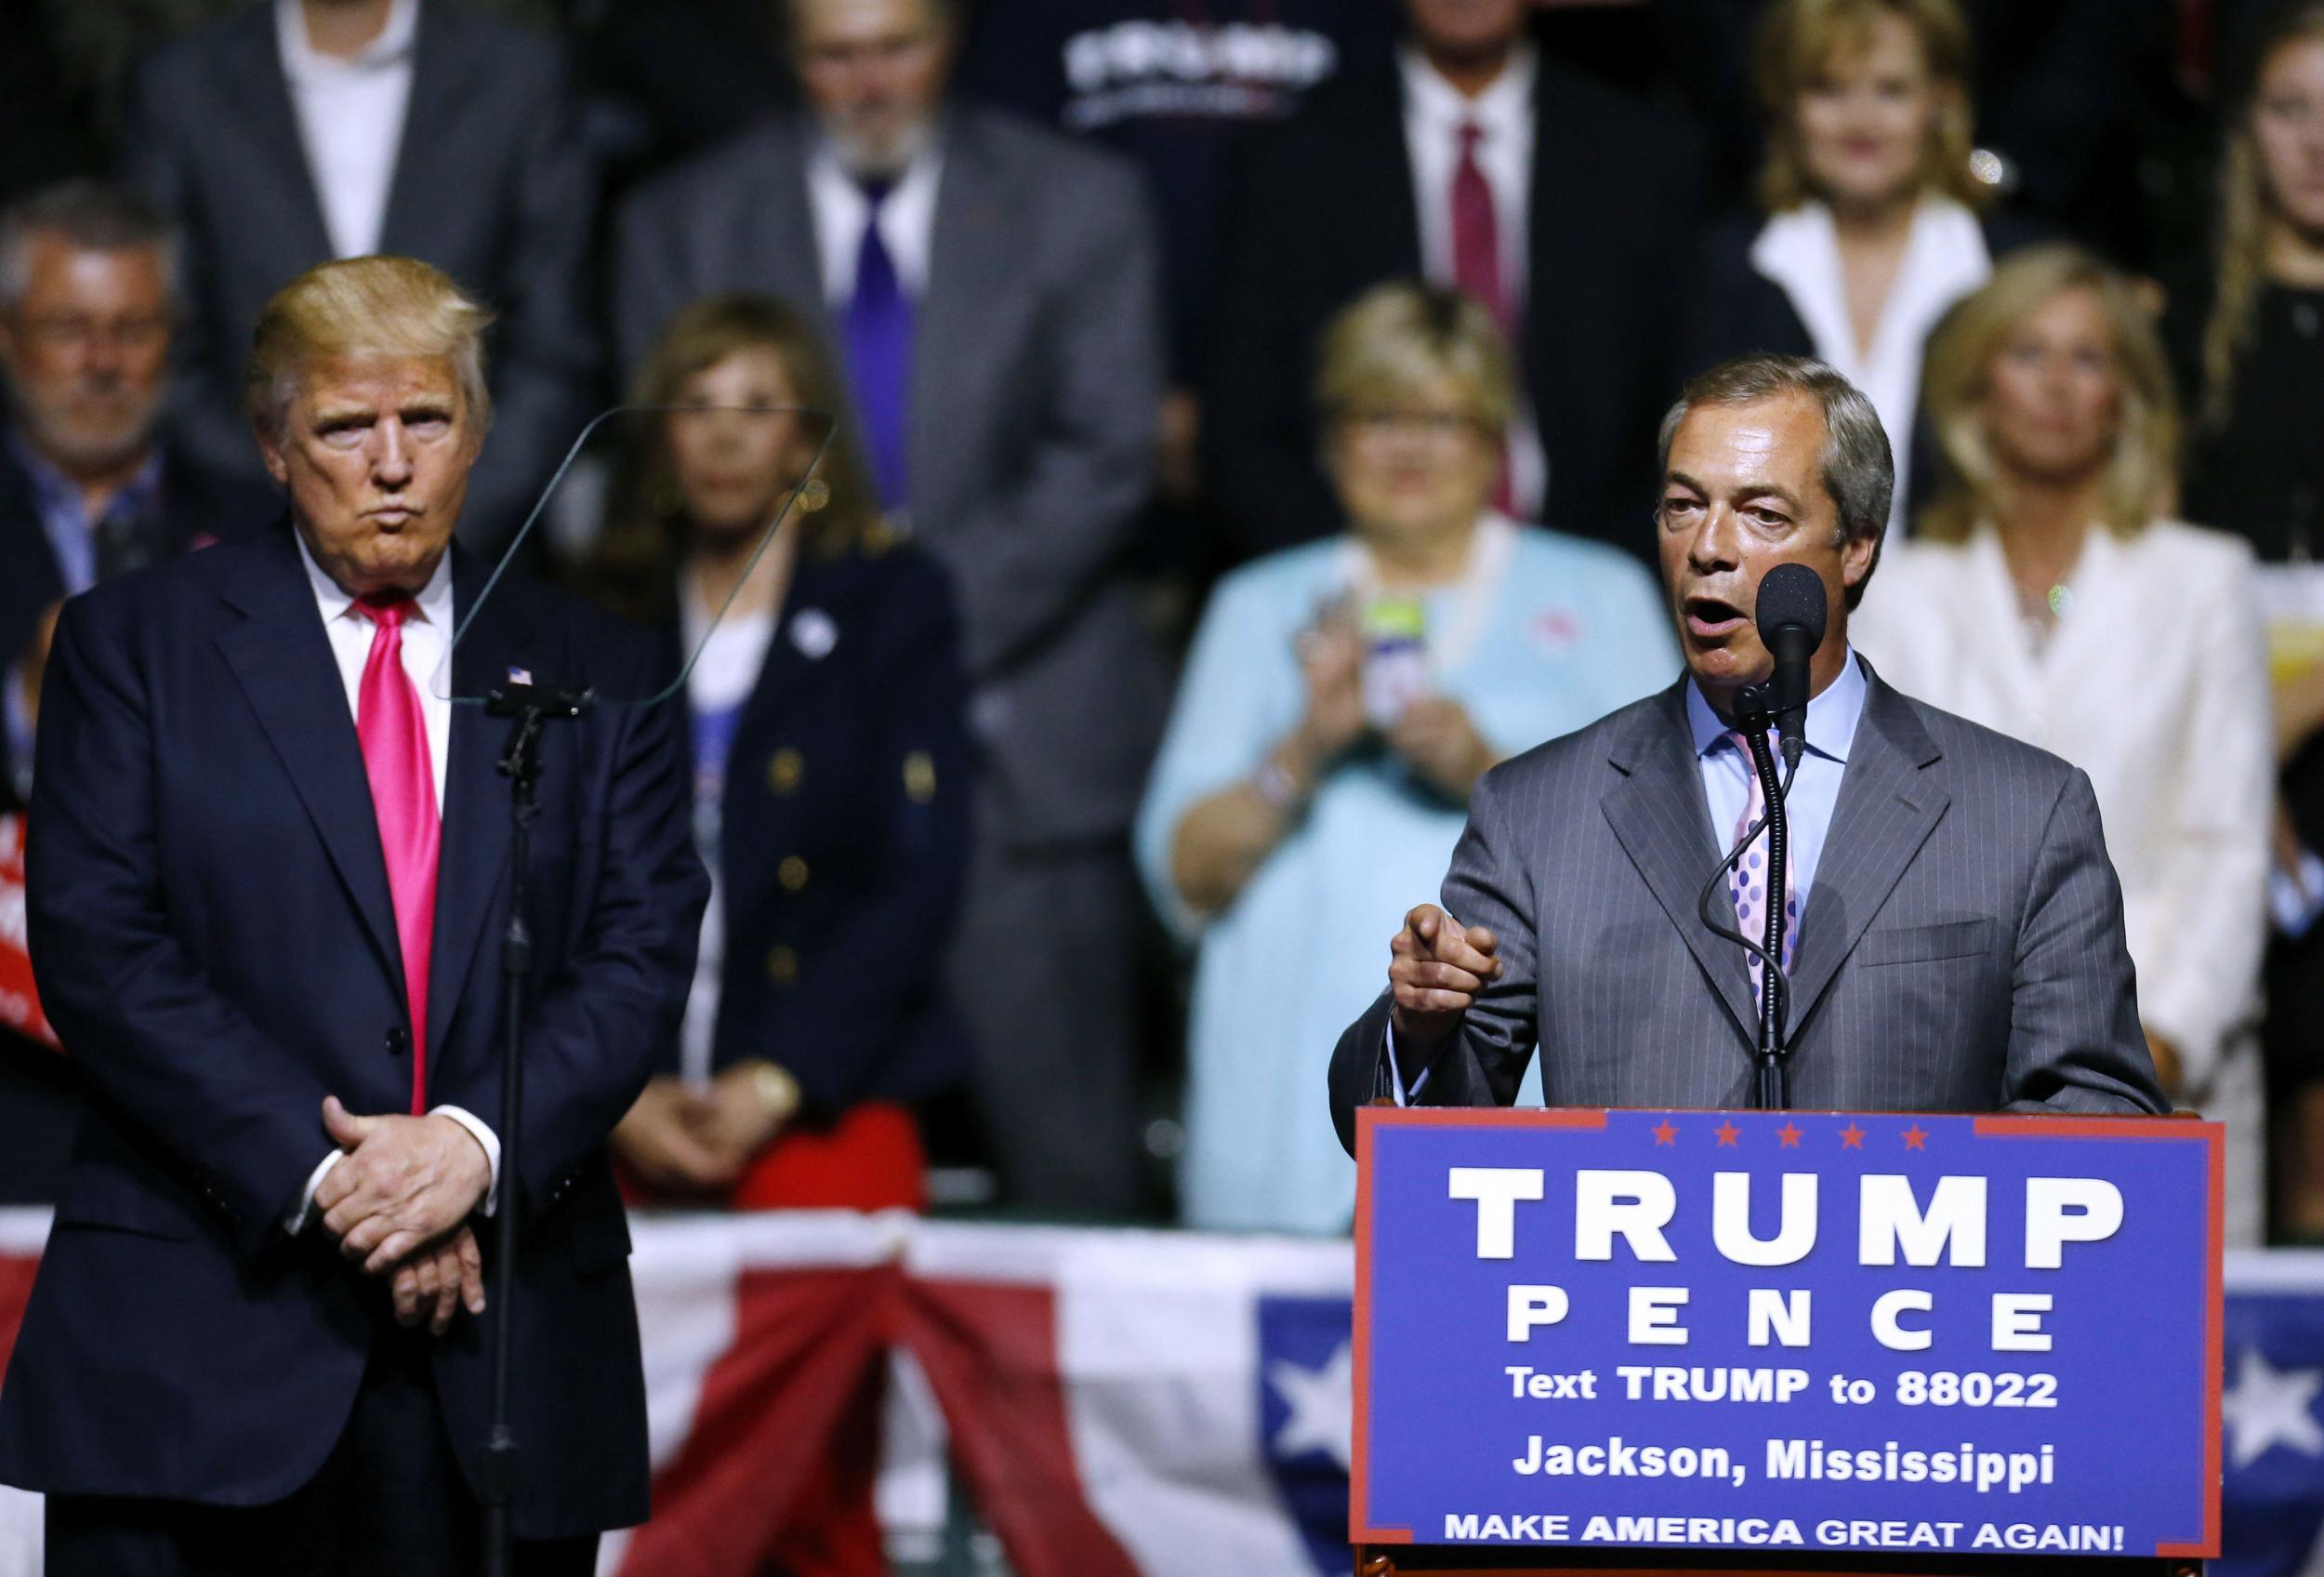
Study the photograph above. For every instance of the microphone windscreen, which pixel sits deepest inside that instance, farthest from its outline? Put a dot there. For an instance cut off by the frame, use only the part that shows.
(1791, 594)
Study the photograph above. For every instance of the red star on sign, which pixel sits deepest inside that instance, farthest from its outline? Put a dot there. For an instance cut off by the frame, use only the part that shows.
(1790, 1135)
(1664, 1133)
(1852, 1137)
(1727, 1132)
(1915, 1139)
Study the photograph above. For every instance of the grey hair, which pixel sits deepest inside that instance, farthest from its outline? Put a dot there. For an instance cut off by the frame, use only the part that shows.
(90, 216)
(1855, 464)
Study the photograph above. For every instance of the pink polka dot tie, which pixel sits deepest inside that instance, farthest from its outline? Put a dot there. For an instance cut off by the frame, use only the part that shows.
(394, 733)
(1749, 882)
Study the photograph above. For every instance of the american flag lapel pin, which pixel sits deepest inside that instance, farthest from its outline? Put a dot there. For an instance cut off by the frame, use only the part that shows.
(520, 676)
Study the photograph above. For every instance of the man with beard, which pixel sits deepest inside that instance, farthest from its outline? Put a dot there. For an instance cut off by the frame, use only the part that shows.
(991, 287)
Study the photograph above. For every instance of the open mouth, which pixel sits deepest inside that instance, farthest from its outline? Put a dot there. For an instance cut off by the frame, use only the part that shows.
(1707, 619)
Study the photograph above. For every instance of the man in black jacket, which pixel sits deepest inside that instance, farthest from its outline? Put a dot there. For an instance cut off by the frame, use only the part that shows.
(1566, 206)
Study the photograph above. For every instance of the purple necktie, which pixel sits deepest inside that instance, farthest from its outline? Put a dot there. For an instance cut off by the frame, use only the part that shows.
(879, 353)
(1749, 883)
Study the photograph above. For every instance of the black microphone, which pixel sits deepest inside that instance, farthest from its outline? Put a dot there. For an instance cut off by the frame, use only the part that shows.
(1790, 619)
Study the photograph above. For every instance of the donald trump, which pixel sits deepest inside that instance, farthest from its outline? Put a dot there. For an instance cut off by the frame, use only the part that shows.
(267, 882)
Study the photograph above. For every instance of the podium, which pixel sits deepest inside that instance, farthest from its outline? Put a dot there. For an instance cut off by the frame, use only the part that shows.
(1679, 1341)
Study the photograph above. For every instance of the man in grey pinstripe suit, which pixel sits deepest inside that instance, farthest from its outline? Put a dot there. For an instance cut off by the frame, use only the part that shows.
(1960, 935)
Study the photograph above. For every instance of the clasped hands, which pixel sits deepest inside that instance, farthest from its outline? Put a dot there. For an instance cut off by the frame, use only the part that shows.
(400, 1200)
(684, 1140)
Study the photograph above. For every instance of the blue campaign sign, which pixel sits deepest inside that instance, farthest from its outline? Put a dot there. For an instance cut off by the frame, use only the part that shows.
(1777, 1331)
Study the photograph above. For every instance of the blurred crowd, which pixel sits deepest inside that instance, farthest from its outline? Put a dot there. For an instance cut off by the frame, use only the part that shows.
(1246, 419)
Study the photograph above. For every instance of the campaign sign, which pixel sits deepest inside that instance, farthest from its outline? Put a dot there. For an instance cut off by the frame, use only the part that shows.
(1803, 1331)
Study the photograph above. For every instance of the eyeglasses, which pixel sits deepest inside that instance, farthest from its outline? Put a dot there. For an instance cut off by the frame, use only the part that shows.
(57, 335)
(1433, 426)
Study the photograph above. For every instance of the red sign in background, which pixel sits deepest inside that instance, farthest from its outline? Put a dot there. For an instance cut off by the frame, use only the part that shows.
(19, 1005)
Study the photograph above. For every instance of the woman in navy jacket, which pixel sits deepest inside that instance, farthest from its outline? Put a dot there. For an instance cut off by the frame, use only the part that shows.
(831, 767)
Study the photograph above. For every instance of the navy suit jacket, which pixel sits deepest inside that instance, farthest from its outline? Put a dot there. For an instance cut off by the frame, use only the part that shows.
(844, 836)
(213, 940)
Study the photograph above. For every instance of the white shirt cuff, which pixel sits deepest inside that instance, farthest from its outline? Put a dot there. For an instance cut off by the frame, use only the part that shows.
(484, 1136)
(296, 1222)
(2296, 898)
(1395, 1075)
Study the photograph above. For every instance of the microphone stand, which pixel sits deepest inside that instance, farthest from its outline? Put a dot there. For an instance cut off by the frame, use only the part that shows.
(1771, 1084)
(530, 708)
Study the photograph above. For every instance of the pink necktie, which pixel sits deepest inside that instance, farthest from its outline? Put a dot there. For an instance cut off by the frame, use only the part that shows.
(1477, 261)
(1749, 881)
(393, 734)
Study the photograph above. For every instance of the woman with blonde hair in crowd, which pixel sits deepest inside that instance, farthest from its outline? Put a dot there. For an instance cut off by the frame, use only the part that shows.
(1874, 218)
(2250, 340)
(2051, 596)
(1340, 701)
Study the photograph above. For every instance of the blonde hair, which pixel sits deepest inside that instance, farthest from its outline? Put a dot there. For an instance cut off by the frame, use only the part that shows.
(1397, 339)
(1800, 40)
(1959, 369)
(645, 537)
(2241, 264)
(366, 307)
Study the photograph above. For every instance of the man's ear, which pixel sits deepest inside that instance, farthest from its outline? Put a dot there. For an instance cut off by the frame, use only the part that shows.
(270, 450)
(1858, 555)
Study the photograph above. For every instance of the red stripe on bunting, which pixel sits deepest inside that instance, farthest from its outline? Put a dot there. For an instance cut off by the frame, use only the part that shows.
(990, 1354)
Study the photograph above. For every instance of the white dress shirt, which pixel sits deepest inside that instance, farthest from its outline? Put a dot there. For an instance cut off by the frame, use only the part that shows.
(350, 120)
(1435, 111)
(907, 220)
(2154, 683)
(729, 656)
(1945, 259)
(427, 640)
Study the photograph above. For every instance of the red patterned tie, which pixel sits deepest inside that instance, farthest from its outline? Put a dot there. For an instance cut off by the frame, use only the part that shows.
(394, 733)
(1477, 261)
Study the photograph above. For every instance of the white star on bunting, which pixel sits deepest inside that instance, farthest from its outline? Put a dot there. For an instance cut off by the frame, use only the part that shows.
(1322, 1403)
(2270, 1407)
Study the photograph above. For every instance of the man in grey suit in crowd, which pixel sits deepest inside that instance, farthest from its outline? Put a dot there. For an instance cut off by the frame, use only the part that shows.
(991, 289)
(291, 133)
(1958, 941)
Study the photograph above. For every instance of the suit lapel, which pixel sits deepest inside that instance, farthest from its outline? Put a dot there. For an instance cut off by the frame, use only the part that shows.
(1887, 807)
(440, 84)
(474, 862)
(1658, 813)
(1377, 146)
(969, 246)
(283, 660)
(259, 87)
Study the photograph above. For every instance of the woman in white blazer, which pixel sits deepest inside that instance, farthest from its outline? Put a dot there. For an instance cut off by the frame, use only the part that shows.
(2048, 596)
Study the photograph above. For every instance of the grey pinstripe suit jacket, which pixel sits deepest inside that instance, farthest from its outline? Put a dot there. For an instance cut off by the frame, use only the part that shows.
(1961, 949)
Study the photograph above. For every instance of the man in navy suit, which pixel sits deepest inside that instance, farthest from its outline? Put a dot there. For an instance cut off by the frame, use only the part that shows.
(267, 881)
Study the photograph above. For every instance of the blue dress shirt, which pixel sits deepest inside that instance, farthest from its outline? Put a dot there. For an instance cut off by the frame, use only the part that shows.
(1831, 731)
